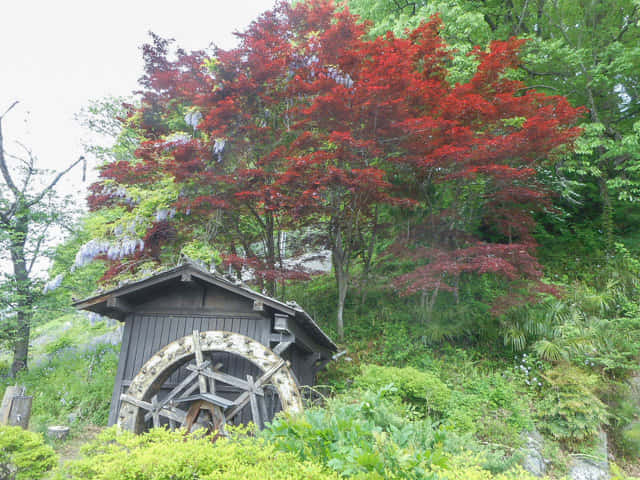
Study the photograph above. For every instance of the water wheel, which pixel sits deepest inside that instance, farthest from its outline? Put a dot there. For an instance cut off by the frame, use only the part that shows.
(207, 395)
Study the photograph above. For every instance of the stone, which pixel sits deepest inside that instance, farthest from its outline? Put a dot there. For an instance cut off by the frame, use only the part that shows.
(112, 338)
(73, 417)
(594, 467)
(634, 384)
(533, 461)
(58, 432)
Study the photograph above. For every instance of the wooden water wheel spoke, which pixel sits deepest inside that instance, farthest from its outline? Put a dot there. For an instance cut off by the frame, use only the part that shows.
(155, 413)
(253, 400)
(225, 378)
(202, 402)
(171, 413)
(173, 393)
(182, 385)
(244, 397)
(202, 379)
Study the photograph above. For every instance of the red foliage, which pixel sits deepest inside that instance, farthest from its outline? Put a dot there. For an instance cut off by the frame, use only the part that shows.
(513, 261)
(308, 119)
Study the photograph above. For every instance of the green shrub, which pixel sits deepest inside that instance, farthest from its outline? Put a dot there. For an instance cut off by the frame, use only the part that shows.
(421, 389)
(24, 454)
(631, 438)
(570, 411)
(362, 434)
(165, 455)
(57, 346)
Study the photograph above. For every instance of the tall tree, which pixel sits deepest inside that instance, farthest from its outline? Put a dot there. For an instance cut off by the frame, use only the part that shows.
(310, 121)
(587, 51)
(29, 208)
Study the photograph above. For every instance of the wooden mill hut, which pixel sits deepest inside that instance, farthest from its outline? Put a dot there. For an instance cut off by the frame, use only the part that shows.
(192, 337)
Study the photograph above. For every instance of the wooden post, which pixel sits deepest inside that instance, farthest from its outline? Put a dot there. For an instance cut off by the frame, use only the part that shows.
(16, 407)
(21, 411)
(7, 400)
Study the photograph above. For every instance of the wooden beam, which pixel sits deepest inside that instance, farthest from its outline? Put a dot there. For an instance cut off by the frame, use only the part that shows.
(243, 399)
(258, 305)
(119, 304)
(202, 380)
(253, 400)
(171, 413)
(209, 397)
(120, 383)
(285, 324)
(223, 377)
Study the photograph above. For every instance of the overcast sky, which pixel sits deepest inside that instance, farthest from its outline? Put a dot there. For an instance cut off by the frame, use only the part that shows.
(56, 56)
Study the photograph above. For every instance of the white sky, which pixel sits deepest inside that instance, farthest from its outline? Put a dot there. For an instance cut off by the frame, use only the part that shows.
(55, 56)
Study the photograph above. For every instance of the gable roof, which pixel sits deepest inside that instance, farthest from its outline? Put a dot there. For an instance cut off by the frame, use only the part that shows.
(103, 302)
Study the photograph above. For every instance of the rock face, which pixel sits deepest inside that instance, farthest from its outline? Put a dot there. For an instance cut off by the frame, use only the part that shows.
(317, 262)
(534, 462)
(634, 383)
(113, 338)
(589, 468)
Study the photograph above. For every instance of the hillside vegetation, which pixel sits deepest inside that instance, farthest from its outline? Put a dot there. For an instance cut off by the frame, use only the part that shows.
(473, 174)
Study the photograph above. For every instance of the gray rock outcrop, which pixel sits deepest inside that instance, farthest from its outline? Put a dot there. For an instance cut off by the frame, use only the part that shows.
(595, 467)
(534, 462)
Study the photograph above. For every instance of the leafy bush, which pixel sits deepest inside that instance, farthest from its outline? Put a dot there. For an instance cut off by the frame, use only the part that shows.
(631, 438)
(367, 434)
(165, 455)
(491, 406)
(421, 389)
(371, 434)
(57, 346)
(570, 411)
(24, 454)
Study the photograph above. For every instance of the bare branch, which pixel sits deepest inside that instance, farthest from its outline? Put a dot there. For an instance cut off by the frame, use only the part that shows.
(36, 250)
(29, 165)
(532, 87)
(543, 74)
(524, 11)
(3, 162)
(9, 109)
(628, 22)
(53, 183)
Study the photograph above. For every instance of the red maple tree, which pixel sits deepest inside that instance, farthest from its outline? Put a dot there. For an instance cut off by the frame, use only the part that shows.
(308, 121)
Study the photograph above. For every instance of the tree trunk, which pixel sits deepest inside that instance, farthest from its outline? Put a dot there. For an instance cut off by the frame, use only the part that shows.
(270, 254)
(340, 265)
(23, 301)
(368, 260)
(343, 284)
(607, 215)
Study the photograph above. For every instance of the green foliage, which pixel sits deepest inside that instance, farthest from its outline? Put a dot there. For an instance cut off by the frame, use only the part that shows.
(631, 438)
(421, 389)
(469, 466)
(164, 455)
(364, 434)
(491, 405)
(569, 410)
(372, 433)
(72, 387)
(62, 343)
(24, 454)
